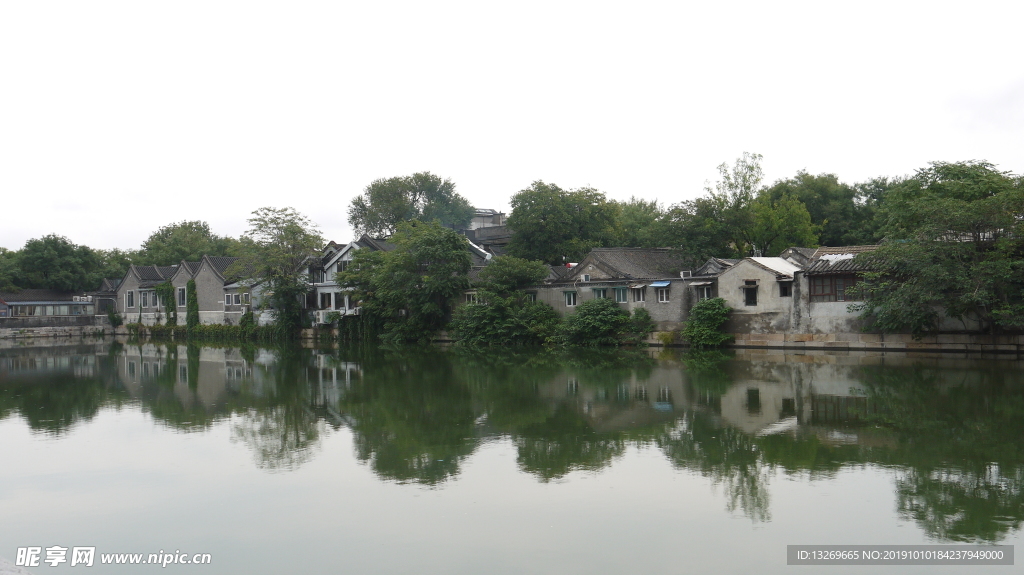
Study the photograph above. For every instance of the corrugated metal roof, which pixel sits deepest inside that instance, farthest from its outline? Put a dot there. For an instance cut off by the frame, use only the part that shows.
(38, 295)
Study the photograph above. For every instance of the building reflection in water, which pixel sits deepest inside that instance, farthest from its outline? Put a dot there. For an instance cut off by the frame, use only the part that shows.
(416, 415)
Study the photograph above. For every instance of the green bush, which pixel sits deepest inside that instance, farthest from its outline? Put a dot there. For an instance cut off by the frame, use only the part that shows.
(115, 318)
(704, 326)
(504, 321)
(596, 322)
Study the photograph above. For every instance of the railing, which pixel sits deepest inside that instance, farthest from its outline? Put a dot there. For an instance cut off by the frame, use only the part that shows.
(320, 315)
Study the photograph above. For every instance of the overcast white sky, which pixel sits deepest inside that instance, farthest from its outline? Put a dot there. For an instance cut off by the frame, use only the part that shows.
(119, 117)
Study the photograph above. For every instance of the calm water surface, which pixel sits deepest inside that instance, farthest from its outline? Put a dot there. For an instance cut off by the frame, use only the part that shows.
(448, 461)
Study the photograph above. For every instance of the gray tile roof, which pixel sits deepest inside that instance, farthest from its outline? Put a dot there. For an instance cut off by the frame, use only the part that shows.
(637, 263)
(822, 264)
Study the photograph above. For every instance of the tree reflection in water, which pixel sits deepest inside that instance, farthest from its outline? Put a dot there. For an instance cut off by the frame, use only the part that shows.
(951, 432)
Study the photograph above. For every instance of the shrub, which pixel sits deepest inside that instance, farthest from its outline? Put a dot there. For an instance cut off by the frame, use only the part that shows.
(115, 318)
(192, 305)
(704, 326)
(504, 321)
(596, 322)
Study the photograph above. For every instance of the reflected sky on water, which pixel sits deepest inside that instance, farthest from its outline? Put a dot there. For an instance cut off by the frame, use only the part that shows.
(454, 461)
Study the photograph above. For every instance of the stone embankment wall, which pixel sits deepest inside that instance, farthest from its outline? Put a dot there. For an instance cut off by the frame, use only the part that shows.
(875, 341)
(50, 327)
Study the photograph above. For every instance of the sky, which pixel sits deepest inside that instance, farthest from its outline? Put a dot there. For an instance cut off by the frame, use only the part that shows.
(118, 117)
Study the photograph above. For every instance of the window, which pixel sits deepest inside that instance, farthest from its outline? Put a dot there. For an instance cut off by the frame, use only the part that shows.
(156, 299)
(145, 298)
(471, 298)
(586, 277)
(639, 294)
(703, 293)
(786, 289)
(620, 295)
(325, 301)
(663, 295)
(181, 297)
(750, 292)
(227, 299)
(343, 265)
(570, 298)
(245, 298)
(600, 293)
(129, 299)
(531, 296)
(833, 288)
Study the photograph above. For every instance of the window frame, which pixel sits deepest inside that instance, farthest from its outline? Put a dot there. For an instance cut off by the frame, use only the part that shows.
(664, 295)
(621, 295)
(129, 299)
(642, 292)
(600, 293)
(182, 299)
(143, 299)
(570, 295)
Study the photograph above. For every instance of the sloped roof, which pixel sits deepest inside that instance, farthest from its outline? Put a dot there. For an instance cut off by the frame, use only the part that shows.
(635, 263)
(375, 244)
(150, 276)
(38, 295)
(109, 284)
(191, 267)
(780, 266)
(221, 265)
(806, 252)
(842, 250)
(714, 266)
(838, 260)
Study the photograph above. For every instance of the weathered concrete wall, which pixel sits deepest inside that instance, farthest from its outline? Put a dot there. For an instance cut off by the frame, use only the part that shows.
(666, 315)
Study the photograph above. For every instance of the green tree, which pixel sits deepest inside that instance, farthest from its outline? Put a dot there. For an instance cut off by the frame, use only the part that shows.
(279, 244)
(191, 305)
(114, 263)
(54, 262)
(954, 247)
(842, 211)
(776, 224)
(600, 322)
(639, 224)
(9, 273)
(422, 196)
(408, 290)
(186, 240)
(553, 225)
(505, 274)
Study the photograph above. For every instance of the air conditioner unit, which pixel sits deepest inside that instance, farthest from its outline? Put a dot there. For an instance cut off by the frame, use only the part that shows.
(686, 274)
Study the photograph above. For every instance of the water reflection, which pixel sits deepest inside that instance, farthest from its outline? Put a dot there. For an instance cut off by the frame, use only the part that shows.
(949, 429)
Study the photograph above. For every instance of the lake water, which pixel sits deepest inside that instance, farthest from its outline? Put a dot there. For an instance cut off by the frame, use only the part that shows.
(427, 460)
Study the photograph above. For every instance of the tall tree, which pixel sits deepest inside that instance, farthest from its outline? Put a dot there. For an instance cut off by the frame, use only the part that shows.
(186, 240)
(776, 224)
(840, 210)
(408, 290)
(954, 247)
(9, 273)
(54, 262)
(422, 196)
(554, 226)
(639, 224)
(279, 244)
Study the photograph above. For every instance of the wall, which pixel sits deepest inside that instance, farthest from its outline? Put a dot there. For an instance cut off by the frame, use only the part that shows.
(50, 326)
(772, 314)
(666, 315)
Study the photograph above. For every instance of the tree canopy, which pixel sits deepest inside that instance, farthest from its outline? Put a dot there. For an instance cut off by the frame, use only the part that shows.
(954, 247)
(54, 262)
(407, 291)
(278, 246)
(554, 226)
(185, 240)
(385, 203)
